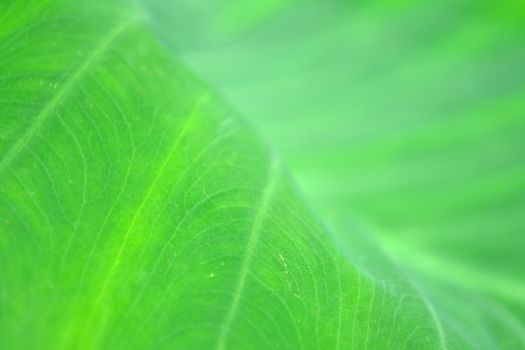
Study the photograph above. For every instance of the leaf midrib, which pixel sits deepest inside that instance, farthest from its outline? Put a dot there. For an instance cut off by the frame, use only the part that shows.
(253, 239)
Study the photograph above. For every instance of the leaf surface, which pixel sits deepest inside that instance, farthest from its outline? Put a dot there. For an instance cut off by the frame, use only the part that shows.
(139, 212)
(403, 123)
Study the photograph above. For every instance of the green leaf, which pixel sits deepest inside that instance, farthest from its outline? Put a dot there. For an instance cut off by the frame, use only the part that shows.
(403, 121)
(139, 212)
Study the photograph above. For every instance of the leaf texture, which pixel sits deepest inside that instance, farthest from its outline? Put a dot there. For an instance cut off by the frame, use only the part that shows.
(403, 123)
(139, 212)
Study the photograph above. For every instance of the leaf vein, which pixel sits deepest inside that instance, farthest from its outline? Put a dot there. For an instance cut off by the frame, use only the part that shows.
(62, 93)
(250, 250)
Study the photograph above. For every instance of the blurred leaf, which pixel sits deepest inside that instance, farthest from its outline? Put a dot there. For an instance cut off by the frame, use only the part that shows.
(404, 121)
(138, 212)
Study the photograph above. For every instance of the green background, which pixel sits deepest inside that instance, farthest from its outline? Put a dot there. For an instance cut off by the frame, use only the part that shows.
(382, 208)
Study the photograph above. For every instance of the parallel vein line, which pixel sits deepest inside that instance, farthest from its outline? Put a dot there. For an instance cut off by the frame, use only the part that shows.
(153, 185)
(62, 93)
(250, 250)
(91, 327)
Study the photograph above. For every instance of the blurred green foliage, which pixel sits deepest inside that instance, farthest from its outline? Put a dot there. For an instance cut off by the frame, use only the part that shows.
(402, 124)
(402, 120)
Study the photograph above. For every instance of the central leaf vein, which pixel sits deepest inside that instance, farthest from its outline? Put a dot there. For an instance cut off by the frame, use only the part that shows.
(248, 256)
